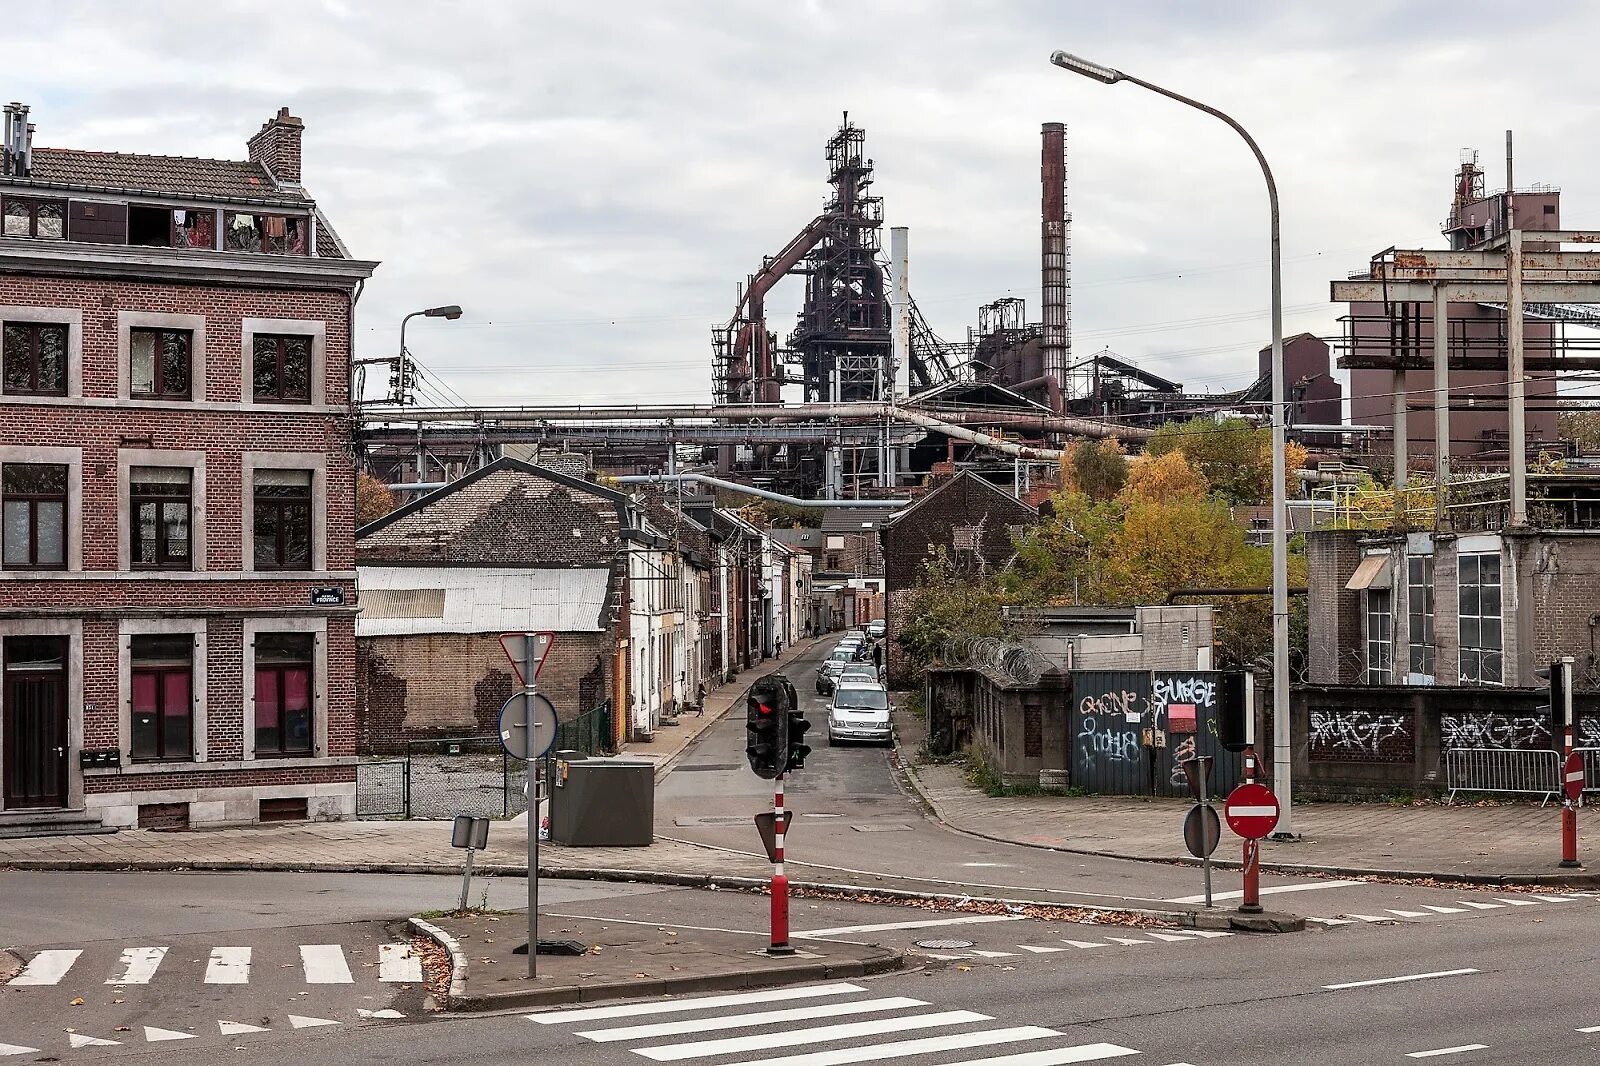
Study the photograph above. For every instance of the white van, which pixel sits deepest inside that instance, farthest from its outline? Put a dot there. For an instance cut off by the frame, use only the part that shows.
(859, 712)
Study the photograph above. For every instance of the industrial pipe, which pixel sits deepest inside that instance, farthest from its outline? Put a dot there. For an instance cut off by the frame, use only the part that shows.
(1020, 451)
(765, 494)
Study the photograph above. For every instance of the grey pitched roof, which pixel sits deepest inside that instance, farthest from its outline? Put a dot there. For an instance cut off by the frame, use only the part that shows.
(855, 519)
(966, 479)
(803, 537)
(160, 175)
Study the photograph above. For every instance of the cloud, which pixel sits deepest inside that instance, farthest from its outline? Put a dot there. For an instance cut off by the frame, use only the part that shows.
(592, 182)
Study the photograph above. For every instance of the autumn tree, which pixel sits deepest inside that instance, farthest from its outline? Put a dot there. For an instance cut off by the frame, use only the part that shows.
(373, 499)
(1234, 455)
(1165, 477)
(1096, 469)
(949, 605)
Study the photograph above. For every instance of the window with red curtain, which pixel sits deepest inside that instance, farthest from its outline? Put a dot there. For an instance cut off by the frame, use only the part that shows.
(162, 691)
(284, 696)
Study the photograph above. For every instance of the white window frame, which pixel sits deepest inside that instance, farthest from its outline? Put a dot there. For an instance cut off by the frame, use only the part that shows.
(143, 627)
(195, 463)
(315, 328)
(128, 321)
(1500, 617)
(1430, 617)
(317, 464)
(72, 459)
(1378, 673)
(318, 627)
(72, 318)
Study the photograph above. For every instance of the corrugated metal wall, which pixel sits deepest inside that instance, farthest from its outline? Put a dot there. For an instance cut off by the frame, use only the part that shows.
(1122, 736)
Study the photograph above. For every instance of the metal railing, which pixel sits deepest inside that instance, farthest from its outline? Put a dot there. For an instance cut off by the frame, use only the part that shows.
(1535, 772)
(383, 788)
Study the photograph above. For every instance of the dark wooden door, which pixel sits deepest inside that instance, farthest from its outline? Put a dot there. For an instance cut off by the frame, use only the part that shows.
(35, 737)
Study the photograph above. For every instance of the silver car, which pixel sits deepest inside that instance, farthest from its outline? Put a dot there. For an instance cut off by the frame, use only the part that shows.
(859, 712)
(829, 671)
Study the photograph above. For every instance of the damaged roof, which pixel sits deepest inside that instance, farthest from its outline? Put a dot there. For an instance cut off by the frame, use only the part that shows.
(160, 175)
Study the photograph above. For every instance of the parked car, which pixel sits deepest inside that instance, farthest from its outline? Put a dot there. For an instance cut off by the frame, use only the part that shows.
(831, 668)
(859, 712)
(877, 628)
(852, 645)
(858, 674)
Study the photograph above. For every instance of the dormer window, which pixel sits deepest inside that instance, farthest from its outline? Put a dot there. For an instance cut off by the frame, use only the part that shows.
(35, 218)
(273, 234)
(171, 227)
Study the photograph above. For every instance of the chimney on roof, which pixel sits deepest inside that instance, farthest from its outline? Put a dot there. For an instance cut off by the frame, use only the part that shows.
(276, 146)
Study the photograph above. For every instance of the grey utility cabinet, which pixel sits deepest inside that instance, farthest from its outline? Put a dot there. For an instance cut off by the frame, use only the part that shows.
(604, 803)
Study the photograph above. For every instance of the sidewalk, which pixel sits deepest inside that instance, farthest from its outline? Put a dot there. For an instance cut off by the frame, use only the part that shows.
(627, 961)
(1514, 843)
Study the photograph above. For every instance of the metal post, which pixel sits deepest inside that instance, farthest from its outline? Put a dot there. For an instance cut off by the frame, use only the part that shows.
(780, 883)
(1569, 809)
(530, 686)
(1251, 903)
(1205, 858)
(1516, 400)
(1441, 406)
(466, 882)
(1397, 384)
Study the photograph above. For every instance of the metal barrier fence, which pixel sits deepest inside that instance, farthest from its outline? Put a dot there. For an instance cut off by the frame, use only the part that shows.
(1500, 770)
(381, 787)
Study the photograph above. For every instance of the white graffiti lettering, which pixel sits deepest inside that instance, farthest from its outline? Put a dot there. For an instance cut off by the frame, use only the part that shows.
(1114, 741)
(1182, 752)
(1508, 732)
(1117, 704)
(1352, 732)
(1200, 691)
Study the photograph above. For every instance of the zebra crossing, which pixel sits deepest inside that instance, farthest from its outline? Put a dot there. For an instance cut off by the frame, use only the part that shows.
(823, 1025)
(1461, 906)
(320, 964)
(1145, 937)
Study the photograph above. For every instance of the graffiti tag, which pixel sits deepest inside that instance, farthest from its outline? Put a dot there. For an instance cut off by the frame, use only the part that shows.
(1507, 732)
(1114, 742)
(1357, 734)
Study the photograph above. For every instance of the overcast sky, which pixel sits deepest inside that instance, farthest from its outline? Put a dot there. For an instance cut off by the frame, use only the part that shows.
(591, 181)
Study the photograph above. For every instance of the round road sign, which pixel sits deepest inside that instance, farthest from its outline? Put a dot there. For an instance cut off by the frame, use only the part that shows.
(1251, 811)
(1201, 830)
(1572, 775)
(514, 725)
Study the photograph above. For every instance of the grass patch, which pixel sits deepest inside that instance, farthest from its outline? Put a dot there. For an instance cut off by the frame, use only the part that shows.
(982, 775)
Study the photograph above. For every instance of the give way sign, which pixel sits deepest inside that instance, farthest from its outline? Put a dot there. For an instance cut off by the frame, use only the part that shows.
(516, 648)
(1251, 811)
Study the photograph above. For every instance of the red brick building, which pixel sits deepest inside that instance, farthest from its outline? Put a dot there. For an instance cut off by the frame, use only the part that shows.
(177, 588)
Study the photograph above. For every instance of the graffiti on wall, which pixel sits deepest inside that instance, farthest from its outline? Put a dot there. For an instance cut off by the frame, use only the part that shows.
(1352, 734)
(1505, 732)
(1107, 736)
(1179, 703)
(1589, 732)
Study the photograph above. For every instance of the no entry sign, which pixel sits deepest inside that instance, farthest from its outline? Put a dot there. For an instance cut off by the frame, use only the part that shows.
(1251, 811)
(1572, 776)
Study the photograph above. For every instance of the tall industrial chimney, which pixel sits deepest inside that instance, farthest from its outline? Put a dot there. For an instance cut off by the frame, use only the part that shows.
(1055, 259)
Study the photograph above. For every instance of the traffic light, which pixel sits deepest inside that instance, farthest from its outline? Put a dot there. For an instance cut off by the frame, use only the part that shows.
(1233, 708)
(798, 748)
(1559, 707)
(766, 712)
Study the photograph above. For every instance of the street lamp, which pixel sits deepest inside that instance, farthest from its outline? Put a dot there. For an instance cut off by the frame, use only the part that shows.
(450, 312)
(1282, 755)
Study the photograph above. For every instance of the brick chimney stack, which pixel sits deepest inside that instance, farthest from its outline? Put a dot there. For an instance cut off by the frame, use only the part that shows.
(277, 147)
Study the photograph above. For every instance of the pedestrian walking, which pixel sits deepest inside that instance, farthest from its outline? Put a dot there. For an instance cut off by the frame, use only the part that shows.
(700, 700)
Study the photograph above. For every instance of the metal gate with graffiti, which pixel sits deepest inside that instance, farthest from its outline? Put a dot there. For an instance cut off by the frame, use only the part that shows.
(1131, 729)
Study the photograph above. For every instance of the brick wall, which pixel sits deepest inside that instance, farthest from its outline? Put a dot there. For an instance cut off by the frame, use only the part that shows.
(1336, 653)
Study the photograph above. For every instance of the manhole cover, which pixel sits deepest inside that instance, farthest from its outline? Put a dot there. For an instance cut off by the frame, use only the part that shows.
(882, 828)
(944, 945)
(712, 821)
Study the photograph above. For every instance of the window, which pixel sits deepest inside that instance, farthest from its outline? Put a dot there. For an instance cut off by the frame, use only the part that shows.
(283, 519)
(275, 234)
(1478, 607)
(160, 363)
(283, 693)
(171, 227)
(161, 503)
(35, 218)
(34, 501)
(162, 692)
(1380, 636)
(1419, 613)
(35, 356)
(282, 368)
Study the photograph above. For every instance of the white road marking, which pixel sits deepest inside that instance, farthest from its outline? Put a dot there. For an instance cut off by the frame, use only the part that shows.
(78, 1040)
(843, 1056)
(738, 999)
(387, 1012)
(1556, 899)
(739, 1021)
(1207, 934)
(238, 1028)
(1398, 980)
(1481, 906)
(309, 1023)
(228, 966)
(16, 1049)
(1408, 914)
(792, 1037)
(1445, 910)
(1085, 943)
(46, 968)
(1331, 921)
(1039, 951)
(1590, 1029)
(138, 966)
(1060, 1056)
(1371, 918)
(1513, 901)
(1129, 940)
(1168, 937)
(966, 919)
(399, 962)
(152, 1035)
(324, 964)
(1273, 890)
(982, 954)
(1445, 1051)
(949, 958)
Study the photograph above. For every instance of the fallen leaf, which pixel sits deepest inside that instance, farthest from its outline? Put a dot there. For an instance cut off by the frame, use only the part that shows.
(78, 1002)
(641, 975)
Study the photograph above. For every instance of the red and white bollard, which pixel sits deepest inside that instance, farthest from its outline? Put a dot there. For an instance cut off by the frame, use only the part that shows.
(1569, 806)
(1251, 866)
(780, 883)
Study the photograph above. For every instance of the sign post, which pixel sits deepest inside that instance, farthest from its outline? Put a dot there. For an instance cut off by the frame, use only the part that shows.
(1201, 830)
(1251, 865)
(1572, 768)
(526, 652)
(1252, 812)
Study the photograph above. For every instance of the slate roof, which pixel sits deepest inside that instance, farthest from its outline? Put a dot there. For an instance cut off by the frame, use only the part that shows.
(855, 519)
(509, 513)
(160, 175)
